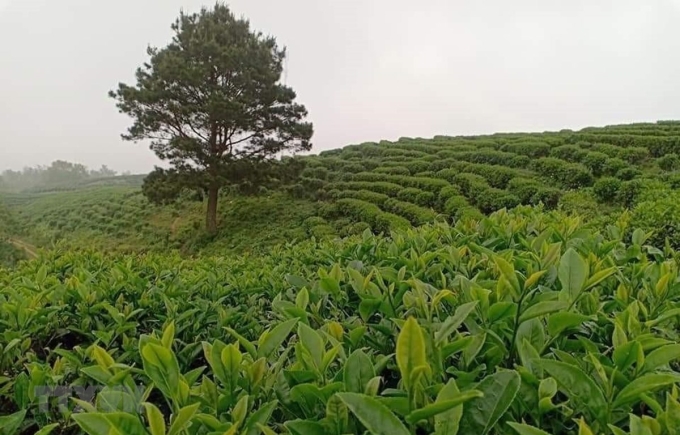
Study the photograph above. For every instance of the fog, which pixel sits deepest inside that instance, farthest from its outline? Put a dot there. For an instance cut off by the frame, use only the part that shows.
(366, 70)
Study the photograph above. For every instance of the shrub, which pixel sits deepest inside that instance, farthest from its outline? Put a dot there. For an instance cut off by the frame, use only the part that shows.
(608, 149)
(571, 175)
(548, 196)
(634, 155)
(394, 170)
(371, 213)
(355, 229)
(448, 192)
(319, 172)
(455, 204)
(386, 188)
(629, 192)
(571, 153)
(470, 183)
(493, 199)
(426, 174)
(669, 162)
(416, 166)
(607, 188)
(595, 161)
(524, 189)
(364, 195)
(411, 194)
(519, 161)
(531, 149)
(626, 174)
(313, 221)
(322, 231)
(662, 217)
(613, 165)
(415, 214)
(471, 213)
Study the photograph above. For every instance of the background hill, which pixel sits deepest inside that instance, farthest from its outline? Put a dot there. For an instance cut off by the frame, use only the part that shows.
(595, 172)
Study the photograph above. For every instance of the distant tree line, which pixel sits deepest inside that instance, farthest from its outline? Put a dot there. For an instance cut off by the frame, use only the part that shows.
(59, 172)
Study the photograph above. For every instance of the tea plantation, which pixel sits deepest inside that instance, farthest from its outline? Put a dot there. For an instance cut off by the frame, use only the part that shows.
(512, 284)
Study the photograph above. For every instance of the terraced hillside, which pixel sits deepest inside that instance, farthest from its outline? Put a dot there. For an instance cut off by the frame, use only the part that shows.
(412, 181)
(595, 172)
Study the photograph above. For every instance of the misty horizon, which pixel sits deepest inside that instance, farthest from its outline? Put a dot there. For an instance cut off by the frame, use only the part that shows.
(365, 72)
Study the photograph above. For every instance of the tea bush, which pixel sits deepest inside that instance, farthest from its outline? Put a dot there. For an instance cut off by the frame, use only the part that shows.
(523, 322)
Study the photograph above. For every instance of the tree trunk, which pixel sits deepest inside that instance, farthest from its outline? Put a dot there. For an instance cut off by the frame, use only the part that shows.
(211, 216)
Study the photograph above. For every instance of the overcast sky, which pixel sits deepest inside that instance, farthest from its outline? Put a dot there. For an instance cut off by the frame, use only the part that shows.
(366, 69)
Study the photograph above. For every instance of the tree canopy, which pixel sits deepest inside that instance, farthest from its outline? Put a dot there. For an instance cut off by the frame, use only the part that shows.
(212, 105)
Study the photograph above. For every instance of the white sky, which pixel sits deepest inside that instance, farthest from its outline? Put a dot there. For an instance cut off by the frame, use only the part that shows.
(366, 69)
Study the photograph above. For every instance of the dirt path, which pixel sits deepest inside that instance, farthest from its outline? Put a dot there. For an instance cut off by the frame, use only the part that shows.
(29, 249)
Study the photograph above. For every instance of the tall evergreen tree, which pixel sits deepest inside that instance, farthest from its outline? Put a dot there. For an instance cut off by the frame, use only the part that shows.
(212, 105)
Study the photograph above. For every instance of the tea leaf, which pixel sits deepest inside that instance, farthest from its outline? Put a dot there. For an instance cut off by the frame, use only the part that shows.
(572, 274)
(541, 309)
(442, 406)
(578, 386)
(115, 423)
(155, 419)
(644, 384)
(525, 429)
(357, 371)
(375, 417)
(272, 340)
(661, 356)
(448, 422)
(410, 349)
(481, 413)
(453, 322)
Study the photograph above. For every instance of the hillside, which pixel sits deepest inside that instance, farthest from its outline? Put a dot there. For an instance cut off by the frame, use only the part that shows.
(477, 313)
(595, 172)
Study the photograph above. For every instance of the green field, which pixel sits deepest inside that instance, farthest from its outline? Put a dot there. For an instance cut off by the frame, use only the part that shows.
(504, 284)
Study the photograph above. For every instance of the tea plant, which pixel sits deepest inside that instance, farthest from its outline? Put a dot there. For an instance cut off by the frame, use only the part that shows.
(520, 323)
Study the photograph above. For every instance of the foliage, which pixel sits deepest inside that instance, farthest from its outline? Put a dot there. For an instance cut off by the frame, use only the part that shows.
(522, 322)
(669, 162)
(59, 173)
(606, 189)
(212, 105)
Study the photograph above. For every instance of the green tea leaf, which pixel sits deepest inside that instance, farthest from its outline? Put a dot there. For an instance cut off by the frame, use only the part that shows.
(442, 406)
(375, 417)
(508, 272)
(357, 372)
(259, 418)
(572, 274)
(115, 423)
(447, 423)
(542, 308)
(183, 418)
(661, 356)
(304, 427)
(525, 429)
(10, 424)
(481, 414)
(270, 341)
(578, 386)
(46, 430)
(313, 342)
(155, 419)
(624, 356)
(410, 349)
(560, 322)
(453, 322)
(645, 384)
(161, 366)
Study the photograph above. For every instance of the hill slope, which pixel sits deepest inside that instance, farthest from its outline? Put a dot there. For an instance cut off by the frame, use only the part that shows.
(382, 186)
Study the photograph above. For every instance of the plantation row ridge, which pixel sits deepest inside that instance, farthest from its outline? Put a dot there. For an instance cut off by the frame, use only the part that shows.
(256, 282)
